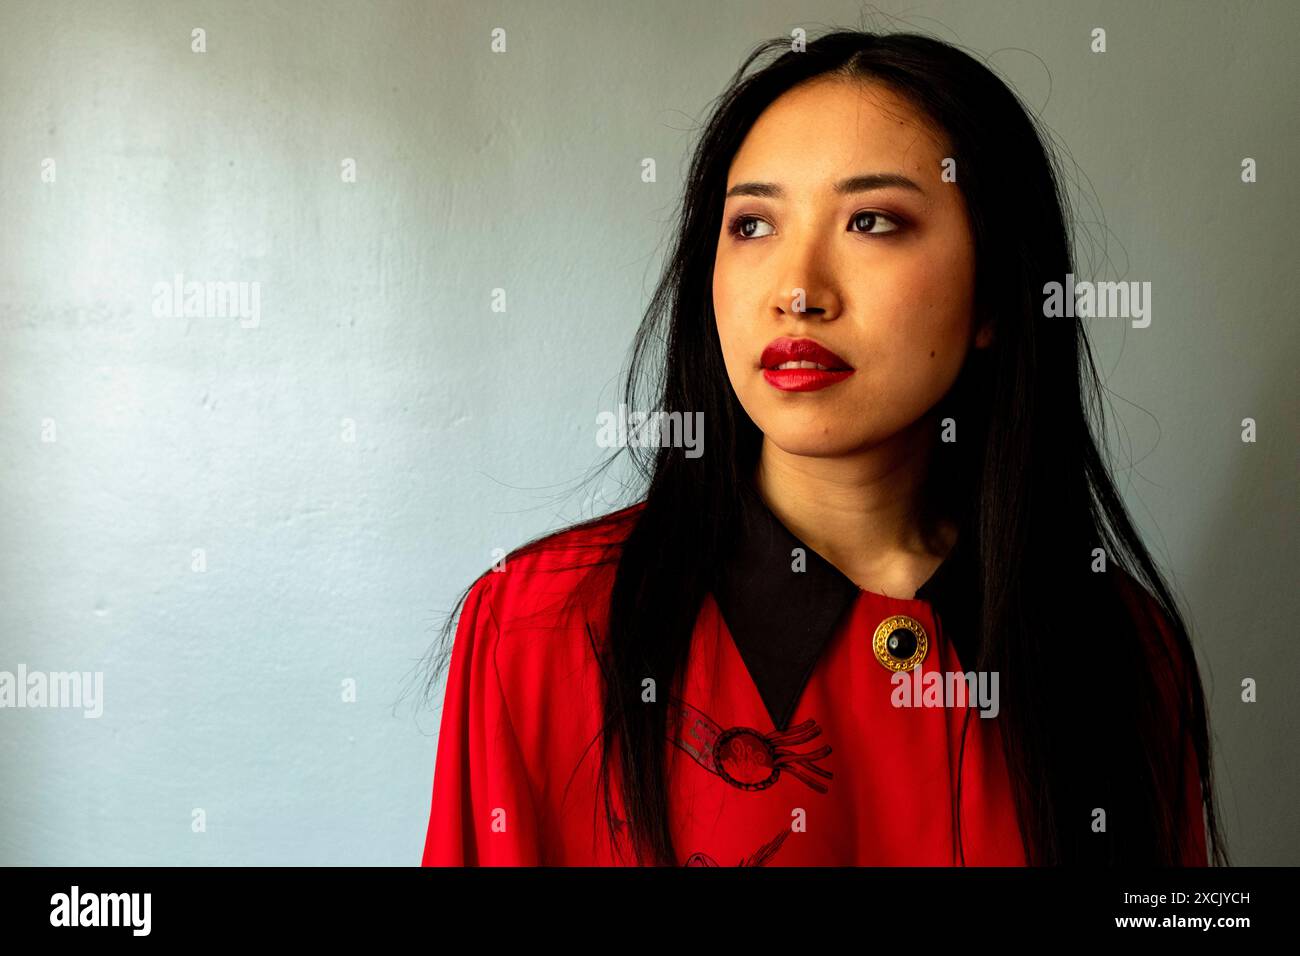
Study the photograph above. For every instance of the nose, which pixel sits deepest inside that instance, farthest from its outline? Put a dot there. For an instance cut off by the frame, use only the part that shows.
(804, 283)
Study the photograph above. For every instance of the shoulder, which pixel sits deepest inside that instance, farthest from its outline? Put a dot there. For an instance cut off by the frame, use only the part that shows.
(1180, 710)
(552, 586)
(1167, 645)
(1143, 607)
(532, 624)
(558, 562)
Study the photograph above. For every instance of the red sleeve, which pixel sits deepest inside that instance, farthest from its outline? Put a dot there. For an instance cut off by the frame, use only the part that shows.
(1194, 851)
(483, 812)
(1175, 687)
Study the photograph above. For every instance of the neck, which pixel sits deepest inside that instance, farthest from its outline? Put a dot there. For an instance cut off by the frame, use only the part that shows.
(864, 512)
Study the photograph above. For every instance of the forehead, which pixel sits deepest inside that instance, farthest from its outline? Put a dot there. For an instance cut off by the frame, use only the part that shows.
(830, 127)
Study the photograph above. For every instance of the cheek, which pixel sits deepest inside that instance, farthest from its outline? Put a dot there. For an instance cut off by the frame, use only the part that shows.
(729, 308)
(918, 321)
(721, 301)
(935, 312)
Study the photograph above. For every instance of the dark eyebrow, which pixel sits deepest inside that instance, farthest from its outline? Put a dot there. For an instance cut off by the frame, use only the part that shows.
(854, 184)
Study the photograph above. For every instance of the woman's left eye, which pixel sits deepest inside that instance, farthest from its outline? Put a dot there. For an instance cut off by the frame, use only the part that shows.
(873, 219)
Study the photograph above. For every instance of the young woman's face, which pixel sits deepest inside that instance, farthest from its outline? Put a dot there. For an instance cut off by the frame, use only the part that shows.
(886, 271)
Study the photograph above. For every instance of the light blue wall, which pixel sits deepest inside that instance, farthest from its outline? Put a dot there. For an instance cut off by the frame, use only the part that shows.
(329, 560)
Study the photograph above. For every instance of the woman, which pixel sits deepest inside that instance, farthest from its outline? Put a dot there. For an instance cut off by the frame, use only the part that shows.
(899, 499)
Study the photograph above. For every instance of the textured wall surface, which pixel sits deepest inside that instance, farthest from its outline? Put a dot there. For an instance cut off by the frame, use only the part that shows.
(236, 516)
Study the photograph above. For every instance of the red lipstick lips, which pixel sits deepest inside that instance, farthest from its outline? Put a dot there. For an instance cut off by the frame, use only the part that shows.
(803, 376)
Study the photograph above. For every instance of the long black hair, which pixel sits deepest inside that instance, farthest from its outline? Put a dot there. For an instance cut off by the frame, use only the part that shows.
(1088, 718)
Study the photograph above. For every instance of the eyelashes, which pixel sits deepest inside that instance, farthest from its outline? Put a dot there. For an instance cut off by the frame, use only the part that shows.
(737, 225)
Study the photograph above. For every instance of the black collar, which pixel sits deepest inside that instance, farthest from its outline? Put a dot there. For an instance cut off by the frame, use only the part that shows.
(782, 619)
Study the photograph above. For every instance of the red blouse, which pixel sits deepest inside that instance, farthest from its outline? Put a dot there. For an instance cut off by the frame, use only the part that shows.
(797, 745)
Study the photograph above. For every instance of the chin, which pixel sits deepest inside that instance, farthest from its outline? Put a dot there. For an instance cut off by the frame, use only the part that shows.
(813, 442)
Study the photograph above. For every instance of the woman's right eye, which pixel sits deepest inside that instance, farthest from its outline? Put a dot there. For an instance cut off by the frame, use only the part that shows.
(739, 227)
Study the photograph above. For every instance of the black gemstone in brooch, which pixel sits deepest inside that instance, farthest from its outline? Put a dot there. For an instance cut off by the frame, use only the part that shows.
(900, 643)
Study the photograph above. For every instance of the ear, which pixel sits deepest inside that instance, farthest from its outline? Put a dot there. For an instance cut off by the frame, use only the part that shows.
(984, 336)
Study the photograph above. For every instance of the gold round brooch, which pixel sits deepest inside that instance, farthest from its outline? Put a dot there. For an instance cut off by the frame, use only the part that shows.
(900, 643)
